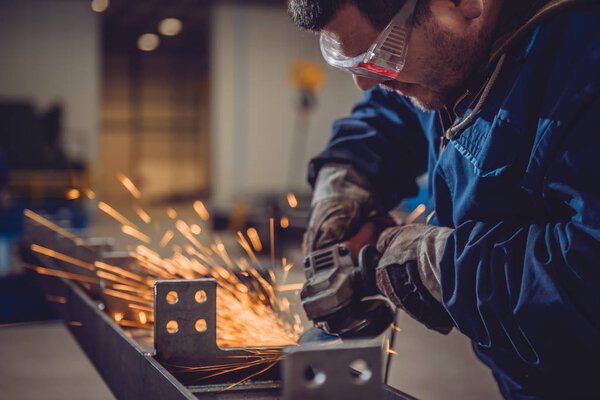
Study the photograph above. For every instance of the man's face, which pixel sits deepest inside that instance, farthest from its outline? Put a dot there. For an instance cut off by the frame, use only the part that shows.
(442, 52)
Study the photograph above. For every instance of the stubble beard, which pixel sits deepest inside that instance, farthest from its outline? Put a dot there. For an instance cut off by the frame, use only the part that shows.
(453, 59)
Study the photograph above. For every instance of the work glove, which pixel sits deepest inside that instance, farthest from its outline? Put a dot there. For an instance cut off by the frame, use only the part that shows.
(342, 201)
(408, 272)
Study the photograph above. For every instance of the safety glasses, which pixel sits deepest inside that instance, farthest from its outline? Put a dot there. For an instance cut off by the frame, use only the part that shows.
(386, 56)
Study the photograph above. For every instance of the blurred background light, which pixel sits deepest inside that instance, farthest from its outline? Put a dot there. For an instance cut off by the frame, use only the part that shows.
(100, 5)
(148, 42)
(170, 26)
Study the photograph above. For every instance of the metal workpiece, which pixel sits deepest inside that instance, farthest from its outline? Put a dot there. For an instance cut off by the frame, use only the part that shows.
(185, 333)
(135, 364)
(129, 370)
(349, 370)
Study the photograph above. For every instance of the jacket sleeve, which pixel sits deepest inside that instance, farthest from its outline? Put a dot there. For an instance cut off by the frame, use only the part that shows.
(532, 287)
(383, 140)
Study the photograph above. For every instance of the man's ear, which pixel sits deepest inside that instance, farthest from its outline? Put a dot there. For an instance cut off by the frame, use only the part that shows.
(469, 9)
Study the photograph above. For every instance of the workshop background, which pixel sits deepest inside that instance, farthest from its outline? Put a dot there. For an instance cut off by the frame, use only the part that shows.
(218, 101)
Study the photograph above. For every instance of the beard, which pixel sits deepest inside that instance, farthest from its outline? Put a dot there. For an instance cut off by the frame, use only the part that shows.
(452, 59)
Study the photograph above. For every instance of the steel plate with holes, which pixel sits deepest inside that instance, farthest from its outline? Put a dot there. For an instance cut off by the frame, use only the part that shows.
(350, 370)
(185, 332)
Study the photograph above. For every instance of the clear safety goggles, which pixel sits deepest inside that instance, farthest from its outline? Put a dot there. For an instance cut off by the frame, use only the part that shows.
(386, 56)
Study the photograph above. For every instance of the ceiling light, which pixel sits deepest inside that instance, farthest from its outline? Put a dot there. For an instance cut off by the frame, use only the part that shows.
(100, 5)
(148, 42)
(170, 26)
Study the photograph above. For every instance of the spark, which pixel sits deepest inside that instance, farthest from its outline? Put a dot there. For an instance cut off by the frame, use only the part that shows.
(144, 216)
(219, 249)
(89, 193)
(286, 268)
(416, 213)
(195, 228)
(292, 200)
(75, 323)
(171, 213)
(143, 318)
(61, 274)
(388, 350)
(185, 230)
(111, 212)
(201, 210)
(246, 246)
(128, 230)
(140, 308)
(291, 287)
(50, 225)
(128, 184)
(254, 239)
(268, 367)
(121, 271)
(272, 236)
(164, 241)
(395, 327)
(284, 222)
(124, 296)
(284, 305)
(72, 194)
(114, 278)
(63, 257)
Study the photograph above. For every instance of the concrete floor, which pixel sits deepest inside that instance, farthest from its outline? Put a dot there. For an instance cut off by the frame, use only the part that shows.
(43, 360)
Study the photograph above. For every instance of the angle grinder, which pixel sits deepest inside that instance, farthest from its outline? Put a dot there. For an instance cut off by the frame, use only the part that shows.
(339, 295)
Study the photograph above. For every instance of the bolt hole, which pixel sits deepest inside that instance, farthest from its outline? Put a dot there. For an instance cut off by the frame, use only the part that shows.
(314, 377)
(172, 327)
(200, 325)
(360, 371)
(200, 296)
(172, 297)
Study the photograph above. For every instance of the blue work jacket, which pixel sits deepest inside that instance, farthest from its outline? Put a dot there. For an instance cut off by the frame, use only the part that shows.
(521, 187)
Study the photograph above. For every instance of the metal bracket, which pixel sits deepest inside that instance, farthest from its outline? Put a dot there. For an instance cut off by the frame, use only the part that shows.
(185, 327)
(351, 370)
(186, 321)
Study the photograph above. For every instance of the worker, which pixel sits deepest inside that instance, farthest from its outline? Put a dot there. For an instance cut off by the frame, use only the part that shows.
(498, 102)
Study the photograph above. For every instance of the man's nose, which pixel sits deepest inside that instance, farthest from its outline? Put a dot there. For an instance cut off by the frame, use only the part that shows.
(364, 83)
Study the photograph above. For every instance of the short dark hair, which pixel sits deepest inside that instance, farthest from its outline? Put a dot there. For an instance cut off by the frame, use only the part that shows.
(314, 15)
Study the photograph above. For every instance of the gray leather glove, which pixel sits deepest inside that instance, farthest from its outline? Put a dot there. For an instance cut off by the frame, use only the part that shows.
(408, 272)
(341, 203)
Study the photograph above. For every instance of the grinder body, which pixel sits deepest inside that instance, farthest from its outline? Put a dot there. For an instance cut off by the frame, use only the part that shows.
(340, 285)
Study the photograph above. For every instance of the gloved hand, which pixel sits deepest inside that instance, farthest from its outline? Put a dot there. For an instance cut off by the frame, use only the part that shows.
(342, 201)
(408, 272)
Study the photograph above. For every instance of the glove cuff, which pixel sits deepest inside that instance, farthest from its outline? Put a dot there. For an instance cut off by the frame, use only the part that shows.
(342, 181)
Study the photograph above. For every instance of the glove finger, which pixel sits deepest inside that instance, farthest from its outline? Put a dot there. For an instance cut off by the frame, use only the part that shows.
(338, 224)
(331, 221)
(332, 231)
(386, 238)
